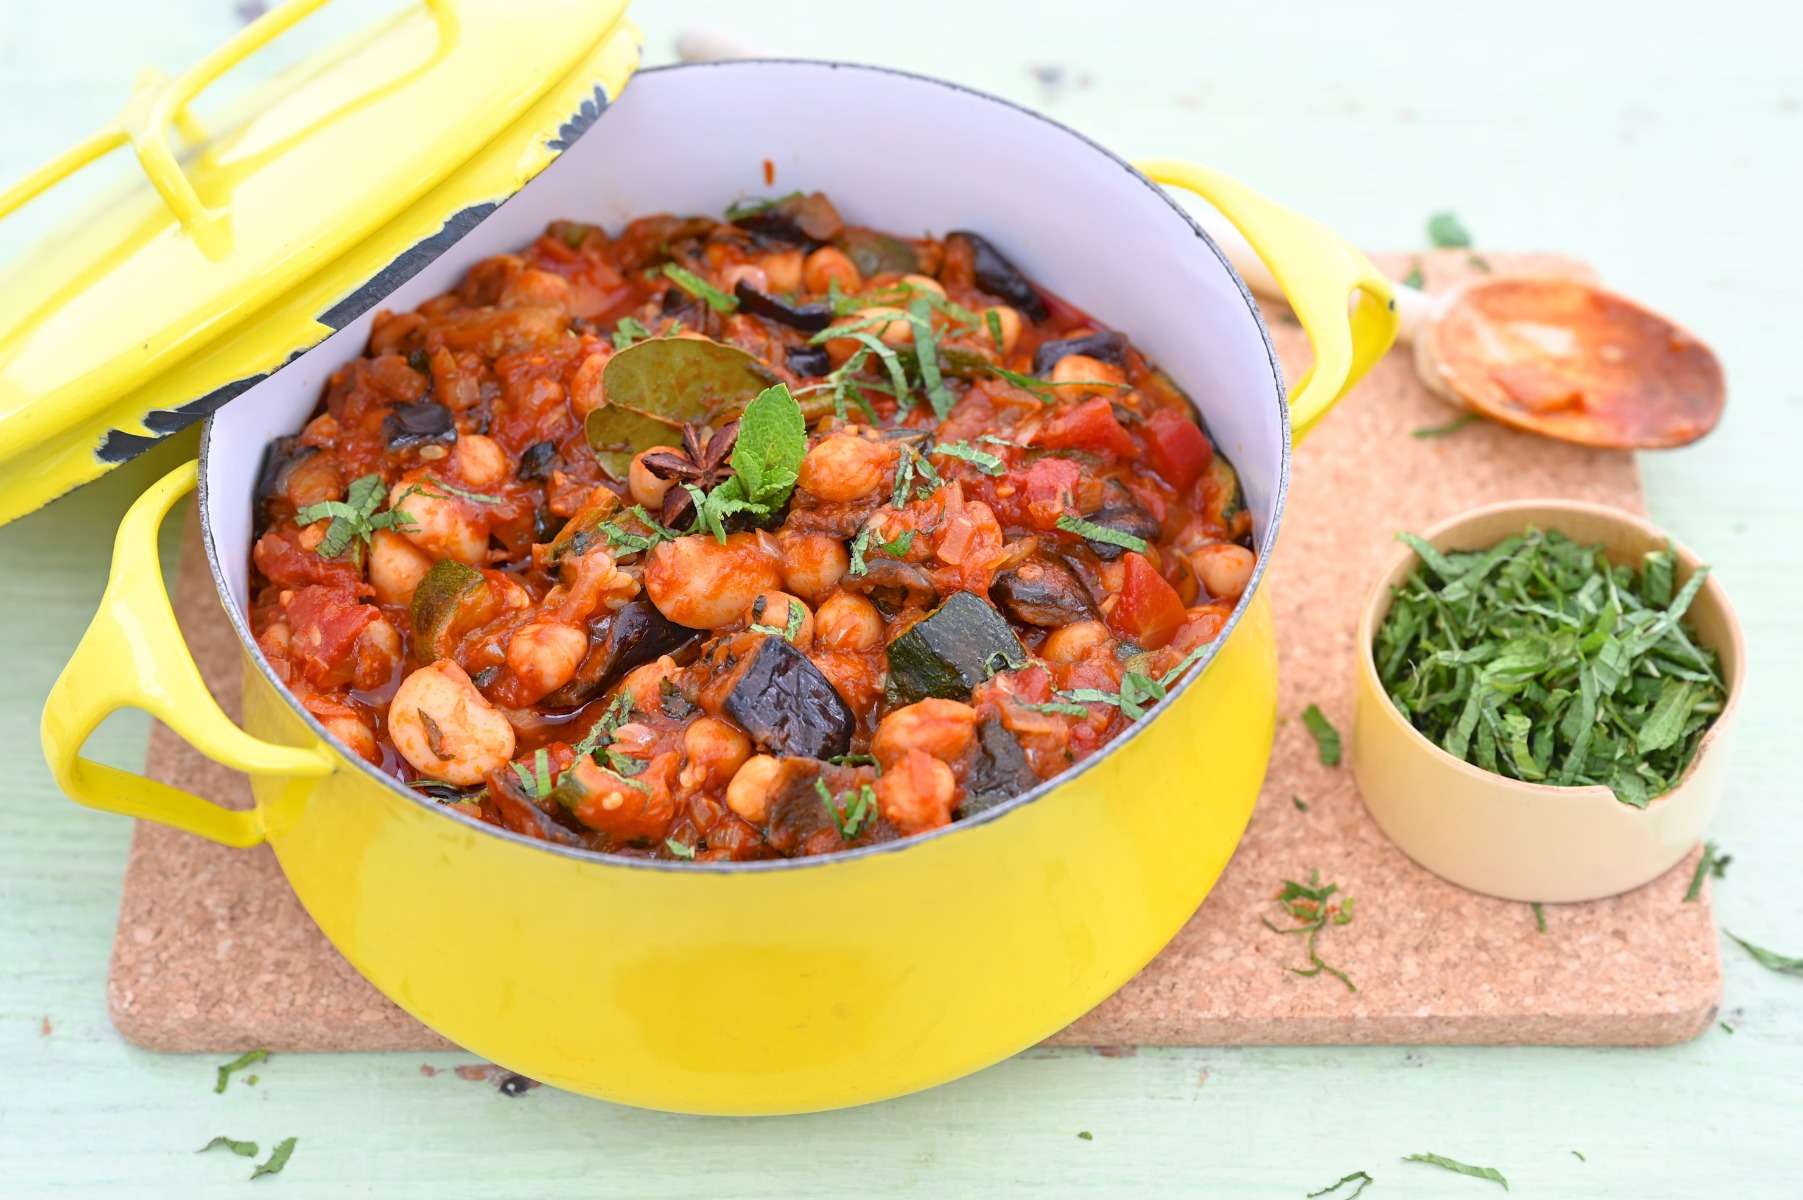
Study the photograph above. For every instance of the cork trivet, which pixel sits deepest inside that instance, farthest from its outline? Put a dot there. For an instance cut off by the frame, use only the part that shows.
(214, 953)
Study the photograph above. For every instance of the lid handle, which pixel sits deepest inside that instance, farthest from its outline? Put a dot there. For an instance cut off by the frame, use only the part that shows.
(156, 103)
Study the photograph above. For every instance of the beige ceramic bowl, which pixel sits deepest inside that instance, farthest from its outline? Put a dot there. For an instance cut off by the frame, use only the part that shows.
(1526, 841)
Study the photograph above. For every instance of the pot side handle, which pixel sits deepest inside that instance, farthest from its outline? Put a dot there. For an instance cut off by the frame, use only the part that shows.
(133, 656)
(1344, 303)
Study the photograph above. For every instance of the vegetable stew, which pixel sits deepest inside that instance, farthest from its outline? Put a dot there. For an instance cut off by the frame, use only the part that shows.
(746, 538)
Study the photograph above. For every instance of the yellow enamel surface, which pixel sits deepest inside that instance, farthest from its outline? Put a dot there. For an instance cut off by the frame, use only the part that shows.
(1342, 300)
(814, 985)
(133, 656)
(132, 316)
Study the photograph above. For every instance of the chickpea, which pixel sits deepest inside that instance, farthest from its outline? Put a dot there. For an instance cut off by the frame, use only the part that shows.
(898, 331)
(829, 264)
(752, 787)
(647, 489)
(545, 655)
(1010, 322)
(715, 751)
(1077, 375)
(846, 467)
(1074, 642)
(746, 273)
(479, 460)
(645, 683)
(375, 655)
(1224, 569)
(812, 563)
(783, 270)
(396, 566)
(942, 728)
(923, 283)
(442, 725)
(353, 732)
(586, 393)
(917, 793)
(848, 622)
(774, 609)
(441, 525)
(698, 582)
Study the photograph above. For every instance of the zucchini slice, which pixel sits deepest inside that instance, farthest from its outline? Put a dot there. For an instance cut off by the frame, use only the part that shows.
(950, 650)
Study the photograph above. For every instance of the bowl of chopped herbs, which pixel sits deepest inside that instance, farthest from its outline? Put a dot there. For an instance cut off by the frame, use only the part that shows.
(1546, 693)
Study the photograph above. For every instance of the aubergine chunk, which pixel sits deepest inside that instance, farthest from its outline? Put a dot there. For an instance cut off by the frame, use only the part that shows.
(1108, 346)
(538, 460)
(797, 821)
(786, 705)
(810, 318)
(995, 769)
(950, 651)
(1127, 518)
(523, 814)
(1043, 591)
(999, 277)
(280, 457)
(422, 424)
(631, 637)
(808, 361)
(801, 220)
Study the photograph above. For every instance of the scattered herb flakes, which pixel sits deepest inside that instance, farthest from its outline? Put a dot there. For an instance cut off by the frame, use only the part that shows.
(1138, 692)
(701, 289)
(1441, 430)
(1579, 1156)
(679, 849)
(278, 1158)
(354, 518)
(461, 493)
(226, 1070)
(851, 809)
(241, 1149)
(629, 330)
(1726, 1028)
(1300, 803)
(1086, 1135)
(1770, 959)
(738, 210)
(1414, 278)
(1539, 659)
(1539, 915)
(1311, 906)
(897, 545)
(1446, 232)
(1453, 1164)
(1711, 863)
(1362, 1178)
(1090, 531)
(1327, 738)
(1479, 263)
(982, 460)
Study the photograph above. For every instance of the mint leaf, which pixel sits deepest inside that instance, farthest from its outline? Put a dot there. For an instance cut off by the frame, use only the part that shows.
(1446, 232)
(278, 1158)
(1327, 738)
(241, 1149)
(701, 289)
(1453, 1164)
(1770, 959)
(773, 439)
(1090, 531)
(226, 1070)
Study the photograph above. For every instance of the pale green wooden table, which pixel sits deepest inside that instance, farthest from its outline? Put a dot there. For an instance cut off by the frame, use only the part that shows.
(1662, 147)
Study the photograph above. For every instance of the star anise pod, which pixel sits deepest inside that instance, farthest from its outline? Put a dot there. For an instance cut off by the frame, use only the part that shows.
(703, 462)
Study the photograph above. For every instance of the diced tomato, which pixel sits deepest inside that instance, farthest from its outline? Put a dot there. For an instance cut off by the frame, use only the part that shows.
(1089, 426)
(324, 621)
(1050, 485)
(1149, 609)
(285, 564)
(1179, 450)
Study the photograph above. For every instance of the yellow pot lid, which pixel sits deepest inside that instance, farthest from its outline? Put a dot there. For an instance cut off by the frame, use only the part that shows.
(329, 187)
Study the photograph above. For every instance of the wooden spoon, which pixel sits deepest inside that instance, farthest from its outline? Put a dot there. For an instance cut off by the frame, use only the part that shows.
(1557, 357)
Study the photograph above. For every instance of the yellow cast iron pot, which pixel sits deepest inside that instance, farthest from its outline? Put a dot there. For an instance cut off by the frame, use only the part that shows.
(795, 985)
